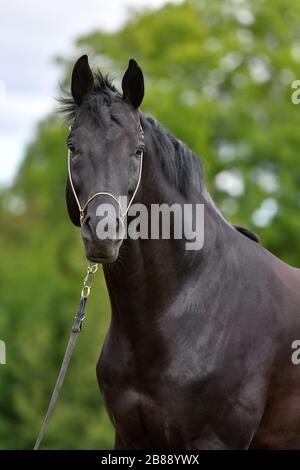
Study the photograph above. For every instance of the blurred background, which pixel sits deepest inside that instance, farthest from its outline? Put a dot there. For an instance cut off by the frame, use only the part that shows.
(218, 75)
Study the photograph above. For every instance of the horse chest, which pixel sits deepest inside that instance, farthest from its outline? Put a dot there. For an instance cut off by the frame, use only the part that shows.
(138, 415)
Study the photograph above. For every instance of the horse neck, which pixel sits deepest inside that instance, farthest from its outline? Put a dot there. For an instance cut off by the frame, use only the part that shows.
(148, 273)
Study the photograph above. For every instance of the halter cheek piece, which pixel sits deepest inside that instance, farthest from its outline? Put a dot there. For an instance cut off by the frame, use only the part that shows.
(105, 193)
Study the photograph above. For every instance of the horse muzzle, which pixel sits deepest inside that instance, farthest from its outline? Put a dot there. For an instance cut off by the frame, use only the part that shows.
(102, 238)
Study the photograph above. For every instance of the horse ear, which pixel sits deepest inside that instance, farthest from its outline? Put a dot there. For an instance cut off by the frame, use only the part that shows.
(133, 84)
(72, 207)
(82, 79)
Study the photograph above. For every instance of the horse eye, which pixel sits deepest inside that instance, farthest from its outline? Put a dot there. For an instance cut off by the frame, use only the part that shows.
(139, 151)
(71, 147)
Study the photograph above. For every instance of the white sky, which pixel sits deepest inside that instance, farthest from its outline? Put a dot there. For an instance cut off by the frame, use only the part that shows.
(32, 34)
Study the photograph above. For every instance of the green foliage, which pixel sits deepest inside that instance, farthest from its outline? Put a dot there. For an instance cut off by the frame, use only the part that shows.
(218, 75)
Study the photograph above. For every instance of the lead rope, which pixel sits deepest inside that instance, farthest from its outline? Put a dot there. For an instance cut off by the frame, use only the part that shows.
(76, 328)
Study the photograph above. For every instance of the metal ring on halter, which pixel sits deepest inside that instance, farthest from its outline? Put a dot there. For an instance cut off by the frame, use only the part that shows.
(105, 193)
(92, 268)
(85, 291)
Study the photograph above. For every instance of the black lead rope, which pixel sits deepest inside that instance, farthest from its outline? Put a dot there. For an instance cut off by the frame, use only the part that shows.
(76, 328)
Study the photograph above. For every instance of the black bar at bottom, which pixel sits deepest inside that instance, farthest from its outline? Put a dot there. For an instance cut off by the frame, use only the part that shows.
(139, 459)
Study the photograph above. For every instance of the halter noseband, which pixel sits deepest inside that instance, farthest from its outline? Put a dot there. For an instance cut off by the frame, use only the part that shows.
(105, 193)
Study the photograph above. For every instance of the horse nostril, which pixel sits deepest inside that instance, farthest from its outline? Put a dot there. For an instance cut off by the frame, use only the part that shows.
(88, 223)
(103, 229)
(87, 228)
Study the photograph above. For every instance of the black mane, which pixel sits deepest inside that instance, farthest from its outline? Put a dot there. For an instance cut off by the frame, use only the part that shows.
(179, 164)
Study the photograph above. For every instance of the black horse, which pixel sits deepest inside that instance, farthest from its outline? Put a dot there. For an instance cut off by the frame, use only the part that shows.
(198, 352)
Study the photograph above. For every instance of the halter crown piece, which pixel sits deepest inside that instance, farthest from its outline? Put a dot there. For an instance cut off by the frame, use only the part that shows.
(105, 193)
